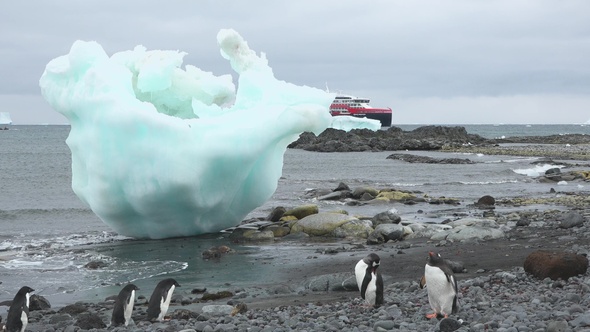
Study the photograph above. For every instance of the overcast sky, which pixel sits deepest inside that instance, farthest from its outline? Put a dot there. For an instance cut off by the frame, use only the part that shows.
(432, 62)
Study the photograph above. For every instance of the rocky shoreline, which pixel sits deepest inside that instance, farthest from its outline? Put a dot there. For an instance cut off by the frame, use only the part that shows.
(487, 241)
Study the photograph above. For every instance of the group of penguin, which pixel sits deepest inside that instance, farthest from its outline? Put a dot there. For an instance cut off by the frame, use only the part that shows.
(159, 302)
(438, 279)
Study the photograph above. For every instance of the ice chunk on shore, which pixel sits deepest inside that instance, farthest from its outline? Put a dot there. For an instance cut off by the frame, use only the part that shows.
(159, 151)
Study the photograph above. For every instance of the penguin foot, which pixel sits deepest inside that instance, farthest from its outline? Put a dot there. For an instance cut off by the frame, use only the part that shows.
(431, 316)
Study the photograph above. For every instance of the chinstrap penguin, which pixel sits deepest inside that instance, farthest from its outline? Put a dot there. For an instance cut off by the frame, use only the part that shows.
(369, 280)
(441, 285)
(160, 299)
(124, 306)
(18, 313)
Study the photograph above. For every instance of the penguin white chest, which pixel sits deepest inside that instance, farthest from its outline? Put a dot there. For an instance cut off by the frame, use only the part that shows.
(165, 303)
(23, 316)
(129, 307)
(359, 271)
(441, 291)
(371, 292)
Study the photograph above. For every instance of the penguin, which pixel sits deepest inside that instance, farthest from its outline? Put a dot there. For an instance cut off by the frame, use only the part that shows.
(18, 313)
(369, 280)
(124, 306)
(160, 299)
(442, 286)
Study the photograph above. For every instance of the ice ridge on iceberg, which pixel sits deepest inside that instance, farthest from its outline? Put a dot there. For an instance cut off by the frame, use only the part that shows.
(159, 151)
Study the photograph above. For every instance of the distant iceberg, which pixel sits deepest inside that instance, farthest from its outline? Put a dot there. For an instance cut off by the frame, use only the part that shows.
(5, 118)
(159, 151)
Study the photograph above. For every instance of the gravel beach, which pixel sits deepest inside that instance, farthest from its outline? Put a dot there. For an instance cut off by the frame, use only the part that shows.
(496, 294)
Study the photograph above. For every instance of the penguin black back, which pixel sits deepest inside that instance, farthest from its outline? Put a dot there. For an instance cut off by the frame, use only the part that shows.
(18, 314)
(160, 299)
(124, 305)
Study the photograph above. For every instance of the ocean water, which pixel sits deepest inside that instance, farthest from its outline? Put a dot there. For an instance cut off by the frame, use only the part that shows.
(48, 234)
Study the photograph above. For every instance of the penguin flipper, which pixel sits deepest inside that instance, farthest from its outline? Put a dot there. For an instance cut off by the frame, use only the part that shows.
(379, 291)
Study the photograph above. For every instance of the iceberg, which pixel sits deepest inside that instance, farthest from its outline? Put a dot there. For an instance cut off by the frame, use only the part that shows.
(5, 118)
(159, 151)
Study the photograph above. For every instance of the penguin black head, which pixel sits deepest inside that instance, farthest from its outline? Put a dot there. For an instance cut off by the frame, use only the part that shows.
(372, 260)
(129, 288)
(168, 283)
(434, 259)
(25, 290)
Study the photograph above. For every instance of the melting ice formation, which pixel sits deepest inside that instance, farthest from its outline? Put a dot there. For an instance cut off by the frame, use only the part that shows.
(159, 152)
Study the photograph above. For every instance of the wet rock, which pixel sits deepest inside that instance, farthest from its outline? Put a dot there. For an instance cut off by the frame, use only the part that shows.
(333, 196)
(342, 187)
(183, 314)
(358, 229)
(278, 231)
(243, 234)
(95, 265)
(486, 201)
(555, 265)
(73, 309)
(302, 211)
(38, 302)
(387, 217)
(218, 310)
(390, 232)
(276, 214)
(572, 219)
(360, 191)
(89, 320)
(321, 224)
(240, 308)
(464, 233)
(448, 325)
(395, 196)
(216, 296)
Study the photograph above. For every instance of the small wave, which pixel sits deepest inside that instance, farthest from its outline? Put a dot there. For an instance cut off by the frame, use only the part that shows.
(25, 243)
(535, 171)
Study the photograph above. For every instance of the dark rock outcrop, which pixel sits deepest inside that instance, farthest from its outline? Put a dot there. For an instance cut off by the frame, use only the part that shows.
(555, 265)
(425, 138)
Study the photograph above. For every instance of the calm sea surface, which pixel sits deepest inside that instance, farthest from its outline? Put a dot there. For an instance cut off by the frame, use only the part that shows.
(43, 221)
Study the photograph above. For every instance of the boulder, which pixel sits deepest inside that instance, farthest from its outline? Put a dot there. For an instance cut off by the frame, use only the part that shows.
(486, 201)
(572, 219)
(390, 232)
(90, 320)
(360, 191)
(465, 233)
(321, 224)
(38, 302)
(396, 196)
(387, 217)
(302, 211)
(358, 229)
(555, 265)
(276, 214)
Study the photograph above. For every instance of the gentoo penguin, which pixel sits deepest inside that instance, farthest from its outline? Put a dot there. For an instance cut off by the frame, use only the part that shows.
(441, 285)
(369, 280)
(160, 299)
(124, 306)
(18, 314)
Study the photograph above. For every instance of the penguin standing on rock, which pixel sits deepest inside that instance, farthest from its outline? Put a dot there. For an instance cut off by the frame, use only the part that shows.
(369, 280)
(160, 299)
(18, 314)
(441, 285)
(124, 306)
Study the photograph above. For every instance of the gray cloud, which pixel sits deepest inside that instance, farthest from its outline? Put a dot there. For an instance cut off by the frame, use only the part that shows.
(391, 51)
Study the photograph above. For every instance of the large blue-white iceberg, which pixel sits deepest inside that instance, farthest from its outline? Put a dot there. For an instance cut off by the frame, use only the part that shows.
(159, 151)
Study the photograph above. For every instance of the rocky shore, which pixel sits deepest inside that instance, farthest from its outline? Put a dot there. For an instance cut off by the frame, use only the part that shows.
(491, 244)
